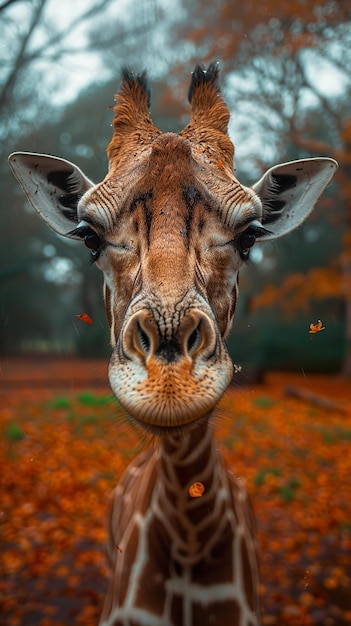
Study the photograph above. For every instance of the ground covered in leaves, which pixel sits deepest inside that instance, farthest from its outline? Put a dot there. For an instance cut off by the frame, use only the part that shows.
(64, 445)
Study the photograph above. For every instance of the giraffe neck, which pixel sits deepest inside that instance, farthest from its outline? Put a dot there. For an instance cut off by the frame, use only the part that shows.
(193, 523)
(211, 538)
(185, 561)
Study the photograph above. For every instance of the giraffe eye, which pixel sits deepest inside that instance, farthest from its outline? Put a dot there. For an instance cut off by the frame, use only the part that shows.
(93, 241)
(245, 242)
(90, 238)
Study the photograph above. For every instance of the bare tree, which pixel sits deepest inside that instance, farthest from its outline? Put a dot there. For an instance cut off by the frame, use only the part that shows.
(40, 50)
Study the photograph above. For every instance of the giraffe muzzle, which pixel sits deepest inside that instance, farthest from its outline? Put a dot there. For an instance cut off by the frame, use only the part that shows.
(169, 370)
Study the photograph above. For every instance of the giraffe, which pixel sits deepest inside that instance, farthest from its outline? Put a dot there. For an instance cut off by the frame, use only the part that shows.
(169, 227)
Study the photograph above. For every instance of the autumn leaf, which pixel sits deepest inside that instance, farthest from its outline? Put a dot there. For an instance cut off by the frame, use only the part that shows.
(316, 328)
(196, 490)
(84, 317)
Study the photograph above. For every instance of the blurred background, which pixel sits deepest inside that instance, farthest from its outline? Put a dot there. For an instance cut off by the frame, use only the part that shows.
(286, 78)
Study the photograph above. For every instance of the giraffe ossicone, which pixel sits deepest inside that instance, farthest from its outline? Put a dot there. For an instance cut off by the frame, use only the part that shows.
(169, 227)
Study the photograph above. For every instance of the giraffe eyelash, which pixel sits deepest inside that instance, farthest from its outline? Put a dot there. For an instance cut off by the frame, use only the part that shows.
(258, 230)
(80, 232)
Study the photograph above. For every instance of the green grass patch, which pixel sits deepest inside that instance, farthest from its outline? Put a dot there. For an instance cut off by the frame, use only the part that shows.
(60, 403)
(328, 437)
(344, 434)
(288, 491)
(14, 432)
(90, 399)
(264, 402)
(89, 419)
(229, 442)
(261, 475)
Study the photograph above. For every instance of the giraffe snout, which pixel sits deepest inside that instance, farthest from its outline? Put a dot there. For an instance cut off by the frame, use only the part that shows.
(169, 370)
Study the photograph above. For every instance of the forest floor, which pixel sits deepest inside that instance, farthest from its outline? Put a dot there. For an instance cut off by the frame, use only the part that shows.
(64, 445)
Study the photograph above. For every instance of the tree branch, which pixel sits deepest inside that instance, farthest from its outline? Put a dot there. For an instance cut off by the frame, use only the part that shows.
(7, 4)
(20, 60)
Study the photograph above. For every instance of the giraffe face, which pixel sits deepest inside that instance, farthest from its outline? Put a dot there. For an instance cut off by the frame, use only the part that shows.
(170, 266)
(169, 227)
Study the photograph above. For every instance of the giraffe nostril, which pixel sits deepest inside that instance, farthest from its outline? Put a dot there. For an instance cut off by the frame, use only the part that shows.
(143, 340)
(139, 338)
(194, 339)
(199, 336)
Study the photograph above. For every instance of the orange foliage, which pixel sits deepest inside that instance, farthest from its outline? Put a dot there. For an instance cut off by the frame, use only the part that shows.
(300, 24)
(297, 290)
(61, 456)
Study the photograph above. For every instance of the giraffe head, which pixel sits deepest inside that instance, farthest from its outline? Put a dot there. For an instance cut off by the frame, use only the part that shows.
(169, 227)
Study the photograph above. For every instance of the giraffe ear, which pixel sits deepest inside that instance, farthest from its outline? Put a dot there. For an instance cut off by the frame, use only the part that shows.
(208, 127)
(133, 128)
(53, 186)
(289, 191)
